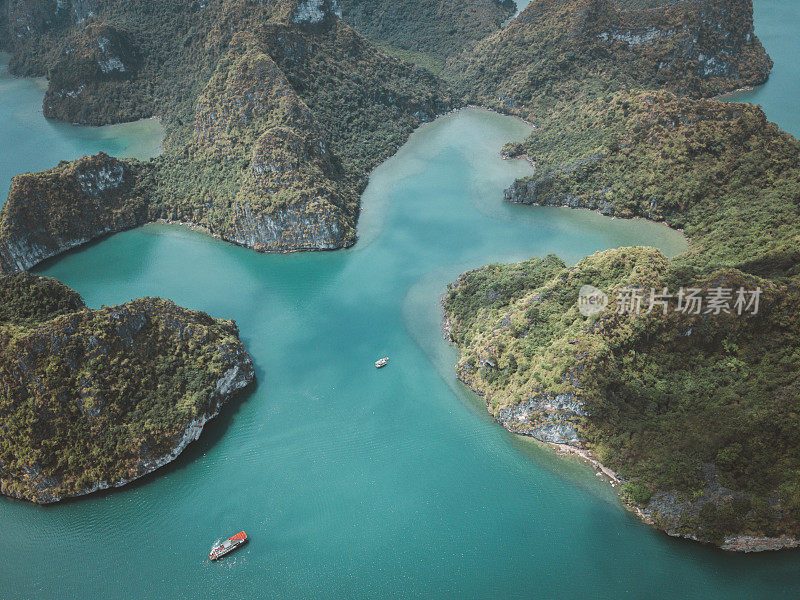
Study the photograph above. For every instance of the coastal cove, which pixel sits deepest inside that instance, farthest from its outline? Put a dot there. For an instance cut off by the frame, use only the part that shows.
(33, 143)
(350, 479)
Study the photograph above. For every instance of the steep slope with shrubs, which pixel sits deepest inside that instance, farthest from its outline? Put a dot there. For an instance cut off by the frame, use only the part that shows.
(52, 211)
(556, 52)
(695, 412)
(93, 399)
(257, 167)
(424, 31)
(329, 105)
(719, 171)
(274, 114)
(152, 41)
(85, 81)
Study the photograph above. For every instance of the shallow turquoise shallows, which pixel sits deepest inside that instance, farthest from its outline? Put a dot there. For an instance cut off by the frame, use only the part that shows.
(28, 142)
(354, 482)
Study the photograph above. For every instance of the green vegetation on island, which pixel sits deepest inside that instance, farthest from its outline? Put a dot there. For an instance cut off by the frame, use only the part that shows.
(697, 413)
(427, 32)
(557, 52)
(275, 113)
(193, 65)
(719, 171)
(97, 398)
(49, 212)
(250, 162)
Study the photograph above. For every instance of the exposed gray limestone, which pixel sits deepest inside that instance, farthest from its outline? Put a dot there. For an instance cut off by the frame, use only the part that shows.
(288, 228)
(314, 11)
(548, 418)
(636, 37)
(749, 543)
(538, 190)
(96, 194)
(96, 181)
(83, 9)
(111, 64)
(23, 254)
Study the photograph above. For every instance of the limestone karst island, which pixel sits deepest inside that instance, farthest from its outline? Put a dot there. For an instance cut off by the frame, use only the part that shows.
(400, 299)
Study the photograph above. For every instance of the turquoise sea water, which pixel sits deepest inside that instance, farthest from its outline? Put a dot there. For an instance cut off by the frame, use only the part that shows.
(354, 482)
(29, 142)
(777, 23)
(521, 4)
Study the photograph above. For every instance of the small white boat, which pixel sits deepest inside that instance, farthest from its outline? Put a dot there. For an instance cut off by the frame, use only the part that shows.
(381, 362)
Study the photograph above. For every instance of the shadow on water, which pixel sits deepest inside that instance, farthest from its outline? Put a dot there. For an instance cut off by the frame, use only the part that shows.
(214, 265)
(48, 263)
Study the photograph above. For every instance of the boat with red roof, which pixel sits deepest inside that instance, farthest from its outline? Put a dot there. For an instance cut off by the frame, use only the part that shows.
(232, 543)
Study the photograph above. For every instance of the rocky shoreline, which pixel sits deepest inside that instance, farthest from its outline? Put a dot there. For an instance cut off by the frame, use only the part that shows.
(567, 442)
(103, 196)
(522, 191)
(742, 543)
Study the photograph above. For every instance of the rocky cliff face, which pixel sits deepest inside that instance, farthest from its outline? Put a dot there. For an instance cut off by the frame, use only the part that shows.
(715, 39)
(551, 418)
(98, 398)
(292, 228)
(310, 12)
(50, 212)
(538, 190)
(280, 152)
(292, 195)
